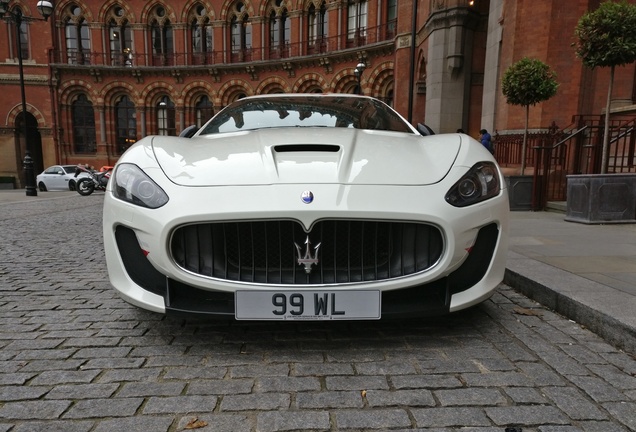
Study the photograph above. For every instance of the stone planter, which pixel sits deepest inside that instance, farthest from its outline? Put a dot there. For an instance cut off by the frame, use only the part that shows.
(601, 198)
(520, 192)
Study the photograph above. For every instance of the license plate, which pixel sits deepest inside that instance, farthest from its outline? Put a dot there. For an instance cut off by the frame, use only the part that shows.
(307, 305)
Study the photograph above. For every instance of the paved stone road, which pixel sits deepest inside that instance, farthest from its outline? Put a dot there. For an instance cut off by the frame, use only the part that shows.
(74, 357)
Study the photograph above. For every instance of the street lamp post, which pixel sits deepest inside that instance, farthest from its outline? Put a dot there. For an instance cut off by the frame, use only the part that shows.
(358, 73)
(46, 9)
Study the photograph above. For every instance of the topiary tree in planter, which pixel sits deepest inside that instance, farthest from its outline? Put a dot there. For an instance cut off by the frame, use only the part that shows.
(528, 82)
(607, 38)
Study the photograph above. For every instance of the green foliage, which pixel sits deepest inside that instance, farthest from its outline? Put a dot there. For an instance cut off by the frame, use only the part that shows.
(528, 82)
(607, 36)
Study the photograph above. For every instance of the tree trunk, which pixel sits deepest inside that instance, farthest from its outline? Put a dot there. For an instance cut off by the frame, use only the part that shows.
(525, 141)
(606, 132)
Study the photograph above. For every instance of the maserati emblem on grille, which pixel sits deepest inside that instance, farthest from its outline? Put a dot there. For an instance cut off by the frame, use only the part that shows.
(307, 197)
(307, 260)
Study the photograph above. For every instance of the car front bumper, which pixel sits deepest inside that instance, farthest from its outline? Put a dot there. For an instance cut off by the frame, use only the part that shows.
(471, 266)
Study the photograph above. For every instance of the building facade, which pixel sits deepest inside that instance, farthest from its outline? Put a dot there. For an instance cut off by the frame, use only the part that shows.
(98, 76)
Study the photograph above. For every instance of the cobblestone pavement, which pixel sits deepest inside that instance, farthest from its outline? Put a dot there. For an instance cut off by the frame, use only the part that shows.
(74, 357)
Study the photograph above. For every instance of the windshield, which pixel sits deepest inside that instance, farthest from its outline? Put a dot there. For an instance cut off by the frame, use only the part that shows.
(315, 111)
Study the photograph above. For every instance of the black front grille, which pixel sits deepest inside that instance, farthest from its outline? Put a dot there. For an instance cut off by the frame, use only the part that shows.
(266, 252)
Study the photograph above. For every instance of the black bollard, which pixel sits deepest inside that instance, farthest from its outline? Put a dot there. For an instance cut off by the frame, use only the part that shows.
(31, 190)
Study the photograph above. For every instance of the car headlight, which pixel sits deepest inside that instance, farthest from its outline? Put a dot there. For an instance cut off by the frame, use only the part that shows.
(133, 185)
(479, 184)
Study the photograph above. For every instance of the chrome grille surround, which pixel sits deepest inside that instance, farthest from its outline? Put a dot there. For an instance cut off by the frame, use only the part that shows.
(265, 252)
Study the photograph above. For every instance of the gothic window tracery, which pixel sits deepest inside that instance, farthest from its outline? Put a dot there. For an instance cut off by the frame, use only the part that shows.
(391, 18)
(21, 45)
(317, 27)
(161, 37)
(279, 30)
(357, 12)
(240, 33)
(119, 37)
(201, 36)
(77, 35)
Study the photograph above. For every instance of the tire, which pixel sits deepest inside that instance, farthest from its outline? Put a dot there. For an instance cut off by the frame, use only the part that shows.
(42, 187)
(71, 185)
(85, 187)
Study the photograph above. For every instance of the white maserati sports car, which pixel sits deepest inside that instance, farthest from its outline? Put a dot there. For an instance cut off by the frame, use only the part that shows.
(306, 207)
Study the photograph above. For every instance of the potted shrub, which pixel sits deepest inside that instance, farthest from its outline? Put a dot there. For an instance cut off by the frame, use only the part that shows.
(606, 37)
(526, 82)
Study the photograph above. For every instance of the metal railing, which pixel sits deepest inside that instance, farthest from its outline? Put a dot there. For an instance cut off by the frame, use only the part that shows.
(554, 154)
(508, 147)
(364, 37)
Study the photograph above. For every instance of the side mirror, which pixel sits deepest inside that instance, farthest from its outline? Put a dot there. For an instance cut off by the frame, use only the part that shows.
(424, 130)
(189, 131)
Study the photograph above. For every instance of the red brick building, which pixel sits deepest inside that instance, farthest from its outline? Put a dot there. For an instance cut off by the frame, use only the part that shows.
(101, 75)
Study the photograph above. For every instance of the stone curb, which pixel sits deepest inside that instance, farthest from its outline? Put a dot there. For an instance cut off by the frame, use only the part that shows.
(603, 310)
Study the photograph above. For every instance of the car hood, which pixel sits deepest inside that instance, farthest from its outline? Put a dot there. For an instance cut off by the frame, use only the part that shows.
(306, 155)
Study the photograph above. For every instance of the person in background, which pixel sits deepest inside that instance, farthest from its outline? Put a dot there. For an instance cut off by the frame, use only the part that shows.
(460, 130)
(486, 140)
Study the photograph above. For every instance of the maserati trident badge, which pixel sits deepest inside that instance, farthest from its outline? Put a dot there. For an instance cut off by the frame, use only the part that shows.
(307, 260)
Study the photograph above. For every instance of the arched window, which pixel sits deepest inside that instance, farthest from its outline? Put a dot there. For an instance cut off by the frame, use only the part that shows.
(236, 96)
(240, 34)
(274, 30)
(317, 28)
(161, 38)
(391, 19)
(388, 96)
(279, 33)
(357, 11)
(78, 43)
(203, 110)
(201, 37)
(235, 30)
(166, 124)
(83, 119)
(20, 44)
(125, 123)
(120, 37)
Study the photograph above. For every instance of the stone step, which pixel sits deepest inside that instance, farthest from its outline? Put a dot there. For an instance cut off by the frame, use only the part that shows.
(556, 206)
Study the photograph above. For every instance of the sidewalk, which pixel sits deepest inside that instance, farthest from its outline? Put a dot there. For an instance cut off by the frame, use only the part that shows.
(584, 272)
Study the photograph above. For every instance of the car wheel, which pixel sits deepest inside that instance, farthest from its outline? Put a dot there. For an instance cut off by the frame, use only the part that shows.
(42, 187)
(71, 185)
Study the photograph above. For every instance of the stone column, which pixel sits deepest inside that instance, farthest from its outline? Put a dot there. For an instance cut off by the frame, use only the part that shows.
(491, 70)
(142, 121)
(102, 144)
(449, 68)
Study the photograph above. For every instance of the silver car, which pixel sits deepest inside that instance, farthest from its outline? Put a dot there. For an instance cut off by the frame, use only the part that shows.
(58, 177)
